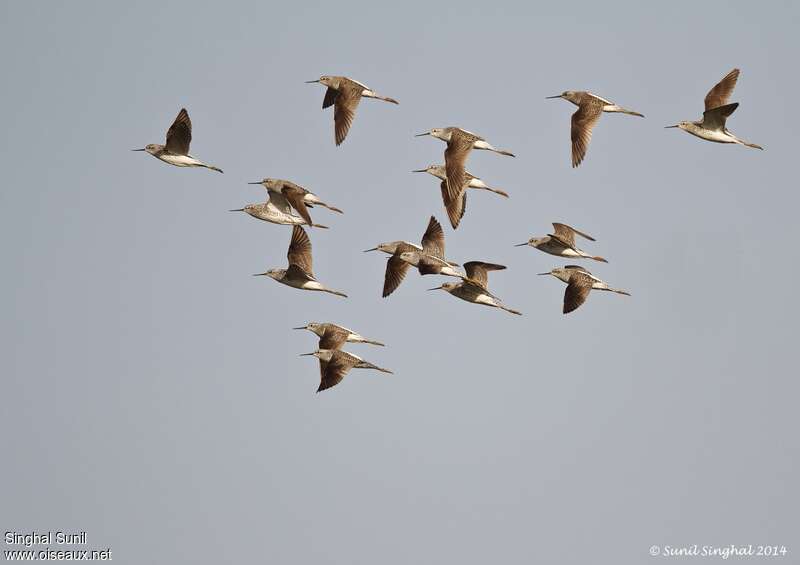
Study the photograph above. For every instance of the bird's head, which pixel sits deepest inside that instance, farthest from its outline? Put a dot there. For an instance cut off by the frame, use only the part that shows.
(570, 95)
(435, 170)
(385, 247)
(266, 183)
(326, 80)
(533, 242)
(322, 354)
(151, 148)
(447, 287)
(682, 125)
(272, 273)
(312, 327)
(440, 133)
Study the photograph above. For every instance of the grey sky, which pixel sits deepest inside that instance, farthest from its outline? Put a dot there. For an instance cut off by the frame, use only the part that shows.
(152, 392)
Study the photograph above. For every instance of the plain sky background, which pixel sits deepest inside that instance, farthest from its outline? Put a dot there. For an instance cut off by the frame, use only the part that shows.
(152, 393)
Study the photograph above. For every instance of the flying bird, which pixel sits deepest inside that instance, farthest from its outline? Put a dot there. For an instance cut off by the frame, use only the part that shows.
(176, 150)
(299, 198)
(590, 108)
(333, 336)
(278, 210)
(717, 110)
(562, 243)
(459, 144)
(579, 283)
(428, 258)
(300, 273)
(334, 364)
(345, 94)
(456, 208)
(475, 288)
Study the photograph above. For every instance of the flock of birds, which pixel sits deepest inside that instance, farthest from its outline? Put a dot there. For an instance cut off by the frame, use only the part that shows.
(289, 204)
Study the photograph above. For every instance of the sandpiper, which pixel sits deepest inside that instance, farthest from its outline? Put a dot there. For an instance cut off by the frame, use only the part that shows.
(278, 209)
(299, 198)
(345, 94)
(561, 243)
(334, 364)
(429, 258)
(590, 108)
(579, 283)
(176, 150)
(717, 110)
(334, 336)
(475, 288)
(459, 143)
(300, 273)
(456, 208)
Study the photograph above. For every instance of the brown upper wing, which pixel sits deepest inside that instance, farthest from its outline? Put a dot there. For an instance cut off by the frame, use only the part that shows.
(294, 195)
(300, 250)
(333, 338)
(477, 272)
(715, 118)
(331, 373)
(455, 208)
(396, 270)
(577, 291)
(179, 134)
(567, 234)
(583, 120)
(330, 97)
(344, 110)
(455, 159)
(433, 239)
(721, 93)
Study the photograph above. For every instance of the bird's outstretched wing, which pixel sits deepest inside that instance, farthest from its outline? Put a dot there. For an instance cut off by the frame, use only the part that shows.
(455, 208)
(396, 270)
(567, 234)
(478, 272)
(721, 93)
(332, 372)
(179, 134)
(583, 120)
(577, 291)
(455, 159)
(294, 196)
(333, 338)
(433, 239)
(300, 250)
(715, 118)
(330, 97)
(344, 111)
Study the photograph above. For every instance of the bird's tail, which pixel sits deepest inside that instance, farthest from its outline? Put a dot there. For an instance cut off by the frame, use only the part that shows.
(621, 110)
(511, 310)
(753, 145)
(601, 259)
(336, 292)
(631, 112)
(331, 208)
(319, 226)
(213, 168)
(504, 152)
(498, 191)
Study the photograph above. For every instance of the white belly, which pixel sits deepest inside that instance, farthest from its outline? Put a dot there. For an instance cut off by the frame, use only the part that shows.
(180, 160)
(311, 285)
(570, 253)
(485, 299)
